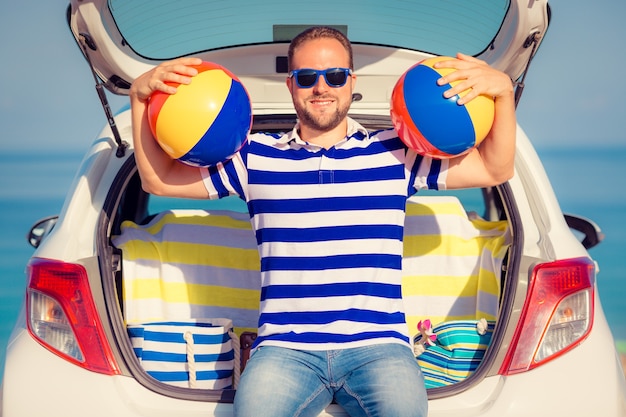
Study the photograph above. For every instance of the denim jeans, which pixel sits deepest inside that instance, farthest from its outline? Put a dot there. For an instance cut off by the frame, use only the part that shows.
(380, 380)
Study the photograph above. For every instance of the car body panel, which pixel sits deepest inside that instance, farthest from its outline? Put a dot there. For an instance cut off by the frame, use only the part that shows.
(118, 64)
(569, 386)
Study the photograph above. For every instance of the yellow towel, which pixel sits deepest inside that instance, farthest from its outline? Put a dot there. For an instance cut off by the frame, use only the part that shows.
(195, 264)
(191, 264)
(452, 263)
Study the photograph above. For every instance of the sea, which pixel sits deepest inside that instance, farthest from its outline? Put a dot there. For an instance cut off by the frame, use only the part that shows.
(588, 182)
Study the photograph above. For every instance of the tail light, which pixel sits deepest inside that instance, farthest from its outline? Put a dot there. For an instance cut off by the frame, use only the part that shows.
(557, 315)
(62, 316)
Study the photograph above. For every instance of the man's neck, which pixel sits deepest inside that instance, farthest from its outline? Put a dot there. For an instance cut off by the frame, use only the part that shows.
(325, 139)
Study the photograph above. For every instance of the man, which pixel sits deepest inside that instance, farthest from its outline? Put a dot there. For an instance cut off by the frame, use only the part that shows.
(327, 204)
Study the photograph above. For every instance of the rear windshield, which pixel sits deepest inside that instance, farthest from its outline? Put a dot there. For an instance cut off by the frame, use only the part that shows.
(164, 29)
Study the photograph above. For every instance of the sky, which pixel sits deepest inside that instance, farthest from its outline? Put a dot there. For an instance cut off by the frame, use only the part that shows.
(574, 93)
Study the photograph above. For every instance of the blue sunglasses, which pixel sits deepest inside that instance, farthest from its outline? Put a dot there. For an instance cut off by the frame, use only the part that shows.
(307, 77)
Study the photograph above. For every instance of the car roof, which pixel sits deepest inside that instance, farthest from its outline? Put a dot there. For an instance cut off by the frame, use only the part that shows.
(122, 39)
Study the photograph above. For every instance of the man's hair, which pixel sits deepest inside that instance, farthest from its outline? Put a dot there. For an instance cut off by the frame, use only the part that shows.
(319, 32)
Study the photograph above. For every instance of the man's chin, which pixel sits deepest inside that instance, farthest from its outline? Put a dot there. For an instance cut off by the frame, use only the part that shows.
(324, 122)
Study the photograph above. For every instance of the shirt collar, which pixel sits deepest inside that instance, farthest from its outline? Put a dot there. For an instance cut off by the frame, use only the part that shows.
(355, 130)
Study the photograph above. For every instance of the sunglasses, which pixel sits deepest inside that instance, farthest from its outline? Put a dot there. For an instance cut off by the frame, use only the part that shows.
(307, 77)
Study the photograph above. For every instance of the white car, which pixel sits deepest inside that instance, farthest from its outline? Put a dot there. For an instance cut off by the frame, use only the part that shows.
(539, 343)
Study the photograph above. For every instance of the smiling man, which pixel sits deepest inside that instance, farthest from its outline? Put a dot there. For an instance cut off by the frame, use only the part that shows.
(321, 85)
(327, 201)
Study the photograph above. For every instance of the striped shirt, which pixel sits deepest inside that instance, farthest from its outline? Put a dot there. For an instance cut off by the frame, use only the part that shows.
(329, 228)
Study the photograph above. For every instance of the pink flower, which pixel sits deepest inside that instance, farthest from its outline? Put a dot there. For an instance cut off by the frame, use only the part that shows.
(426, 330)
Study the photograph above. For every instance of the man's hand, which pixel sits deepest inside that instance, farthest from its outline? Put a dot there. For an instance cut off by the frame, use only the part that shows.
(476, 76)
(179, 71)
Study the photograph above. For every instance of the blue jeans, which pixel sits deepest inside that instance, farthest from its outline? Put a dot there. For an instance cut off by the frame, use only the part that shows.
(379, 380)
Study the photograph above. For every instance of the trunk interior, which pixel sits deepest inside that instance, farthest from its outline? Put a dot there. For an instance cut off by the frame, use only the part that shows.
(187, 272)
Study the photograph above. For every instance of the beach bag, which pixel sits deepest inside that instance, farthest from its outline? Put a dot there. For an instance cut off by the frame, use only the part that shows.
(192, 353)
(451, 351)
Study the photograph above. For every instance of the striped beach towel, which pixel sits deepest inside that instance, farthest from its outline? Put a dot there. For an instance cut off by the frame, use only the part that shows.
(189, 264)
(452, 262)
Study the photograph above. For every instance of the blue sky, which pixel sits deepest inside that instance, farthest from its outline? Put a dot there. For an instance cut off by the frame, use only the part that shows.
(574, 91)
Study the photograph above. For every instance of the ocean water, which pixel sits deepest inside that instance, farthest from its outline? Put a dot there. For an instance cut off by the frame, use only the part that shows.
(587, 182)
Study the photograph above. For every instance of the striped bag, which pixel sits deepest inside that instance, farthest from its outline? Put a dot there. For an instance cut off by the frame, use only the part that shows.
(451, 351)
(201, 354)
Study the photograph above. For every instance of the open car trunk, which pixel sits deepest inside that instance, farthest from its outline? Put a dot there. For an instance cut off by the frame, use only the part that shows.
(177, 265)
(462, 250)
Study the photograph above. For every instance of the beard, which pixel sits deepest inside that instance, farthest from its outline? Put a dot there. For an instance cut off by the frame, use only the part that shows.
(322, 122)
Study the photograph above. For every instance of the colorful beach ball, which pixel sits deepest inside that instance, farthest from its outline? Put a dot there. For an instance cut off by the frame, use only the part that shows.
(204, 122)
(431, 124)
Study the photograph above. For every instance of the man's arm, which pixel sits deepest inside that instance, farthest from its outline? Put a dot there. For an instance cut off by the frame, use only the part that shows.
(492, 162)
(160, 174)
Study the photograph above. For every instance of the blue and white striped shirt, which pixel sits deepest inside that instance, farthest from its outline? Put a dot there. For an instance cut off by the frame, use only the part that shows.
(329, 227)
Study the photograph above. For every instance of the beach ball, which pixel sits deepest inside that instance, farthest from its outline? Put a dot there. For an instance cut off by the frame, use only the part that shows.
(431, 124)
(204, 122)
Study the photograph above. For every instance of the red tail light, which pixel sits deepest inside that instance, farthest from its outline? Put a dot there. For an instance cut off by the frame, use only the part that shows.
(557, 315)
(62, 315)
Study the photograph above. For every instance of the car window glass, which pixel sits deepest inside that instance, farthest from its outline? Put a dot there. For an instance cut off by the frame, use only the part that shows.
(162, 29)
(158, 204)
(472, 199)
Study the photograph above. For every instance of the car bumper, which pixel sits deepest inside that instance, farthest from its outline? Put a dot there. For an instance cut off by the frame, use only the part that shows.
(586, 381)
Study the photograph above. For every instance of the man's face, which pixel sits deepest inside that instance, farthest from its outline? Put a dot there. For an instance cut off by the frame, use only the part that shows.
(321, 107)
